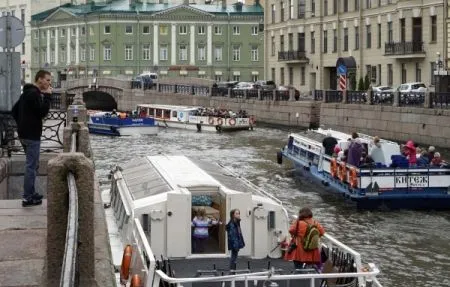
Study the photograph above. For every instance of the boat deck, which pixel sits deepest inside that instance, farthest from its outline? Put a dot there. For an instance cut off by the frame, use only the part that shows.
(210, 267)
(312, 135)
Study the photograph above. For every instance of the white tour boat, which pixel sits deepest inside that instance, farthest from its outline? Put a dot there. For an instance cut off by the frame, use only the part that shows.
(149, 211)
(187, 117)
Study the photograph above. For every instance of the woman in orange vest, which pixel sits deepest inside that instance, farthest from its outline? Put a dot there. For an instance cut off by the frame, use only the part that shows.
(298, 231)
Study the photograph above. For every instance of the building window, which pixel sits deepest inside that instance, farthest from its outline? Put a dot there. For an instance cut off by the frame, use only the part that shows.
(335, 5)
(404, 73)
(390, 75)
(218, 30)
(44, 34)
(302, 76)
(91, 54)
(236, 53)
(301, 9)
(433, 78)
(23, 48)
(72, 54)
(201, 30)
(345, 6)
(218, 78)
(182, 30)
(236, 78)
(356, 38)
(325, 41)
(201, 53)
(91, 31)
(369, 36)
(290, 42)
(163, 30)
(83, 54)
(301, 42)
(282, 11)
(313, 8)
(254, 54)
(183, 53)
(390, 33)
(63, 54)
(163, 53)
(146, 52)
(13, 12)
(36, 56)
(218, 53)
(433, 28)
(368, 4)
(335, 40)
(282, 43)
(345, 39)
(74, 32)
(291, 76)
(44, 55)
(379, 75)
(418, 73)
(107, 52)
(291, 9)
(273, 13)
(83, 31)
(313, 43)
(146, 30)
(22, 15)
(273, 46)
(52, 33)
(325, 7)
(255, 30)
(36, 34)
(282, 76)
(107, 29)
(236, 30)
(273, 74)
(379, 36)
(63, 33)
(357, 5)
(128, 52)
(254, 78)
(52, 55)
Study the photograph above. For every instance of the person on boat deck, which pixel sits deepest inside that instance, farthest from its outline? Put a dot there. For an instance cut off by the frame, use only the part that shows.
(431, 151)
(299, 256)
(423, 160)
(376, 152)
(114, 113)
(201, 225)
(336, 151)
(437, 160)
(329, 143)
(235, 238)
(355, 151)
(410, 150)
(418, 152)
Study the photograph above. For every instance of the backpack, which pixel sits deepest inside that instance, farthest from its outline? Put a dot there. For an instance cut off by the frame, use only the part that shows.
(311, 238)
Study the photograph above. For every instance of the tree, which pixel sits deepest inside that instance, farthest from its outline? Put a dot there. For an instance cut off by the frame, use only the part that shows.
(366, 82)
(352, 82)
(361, 84)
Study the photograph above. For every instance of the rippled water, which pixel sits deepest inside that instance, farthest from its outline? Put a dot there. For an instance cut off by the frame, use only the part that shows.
(411, 248)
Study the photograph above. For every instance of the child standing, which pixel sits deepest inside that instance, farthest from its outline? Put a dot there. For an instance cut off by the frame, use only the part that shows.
(201, 225)
(235, 238)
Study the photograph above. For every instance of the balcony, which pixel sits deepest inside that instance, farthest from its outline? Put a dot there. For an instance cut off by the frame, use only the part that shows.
(404, 49)
(293, 57)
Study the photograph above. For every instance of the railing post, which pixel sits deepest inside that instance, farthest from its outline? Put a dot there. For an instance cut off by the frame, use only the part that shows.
(396, 99)
(291, 94)
(344, 97)
(77, 109)
(427, 103)
(369, 97)
(63, 103)
(229, 92)
(259, 95)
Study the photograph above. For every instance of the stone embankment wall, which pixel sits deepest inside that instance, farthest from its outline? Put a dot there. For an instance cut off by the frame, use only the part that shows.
(422, 125)
(288, 113)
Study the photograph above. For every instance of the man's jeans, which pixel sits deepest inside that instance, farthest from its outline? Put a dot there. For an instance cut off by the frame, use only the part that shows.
(32, 150)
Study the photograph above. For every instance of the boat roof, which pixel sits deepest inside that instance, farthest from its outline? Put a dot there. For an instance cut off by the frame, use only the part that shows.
(168, 107)
(154, 175)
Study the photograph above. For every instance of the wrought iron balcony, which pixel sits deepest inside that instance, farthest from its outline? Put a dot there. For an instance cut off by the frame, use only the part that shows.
(293, 56)
(403, 48)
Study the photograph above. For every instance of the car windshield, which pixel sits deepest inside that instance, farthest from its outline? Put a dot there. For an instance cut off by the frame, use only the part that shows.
(384, 88)
(403, 87)
(416, 86)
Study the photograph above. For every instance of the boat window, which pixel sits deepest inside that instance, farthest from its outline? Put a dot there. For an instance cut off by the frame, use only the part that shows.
(174, 114)
(166, 114)
(158, 113)
(151, 112)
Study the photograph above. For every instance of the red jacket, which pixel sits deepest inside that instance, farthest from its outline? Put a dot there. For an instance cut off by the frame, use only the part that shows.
(299, 254)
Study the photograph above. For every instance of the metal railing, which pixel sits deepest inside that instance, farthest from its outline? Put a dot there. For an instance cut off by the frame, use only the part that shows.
(69, 269)
(292, 56)
(403, 48)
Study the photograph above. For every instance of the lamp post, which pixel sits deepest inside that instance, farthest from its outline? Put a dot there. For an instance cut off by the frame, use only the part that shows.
(437, 71)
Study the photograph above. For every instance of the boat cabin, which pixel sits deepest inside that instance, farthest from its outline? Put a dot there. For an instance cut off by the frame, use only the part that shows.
(166, 112)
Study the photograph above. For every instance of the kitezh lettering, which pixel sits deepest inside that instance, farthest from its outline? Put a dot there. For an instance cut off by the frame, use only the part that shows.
(411, 181)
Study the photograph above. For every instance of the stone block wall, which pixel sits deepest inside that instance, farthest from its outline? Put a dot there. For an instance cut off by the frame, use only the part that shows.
(425, 126)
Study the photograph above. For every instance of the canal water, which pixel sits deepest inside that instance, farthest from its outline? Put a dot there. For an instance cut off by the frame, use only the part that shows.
(411, 248)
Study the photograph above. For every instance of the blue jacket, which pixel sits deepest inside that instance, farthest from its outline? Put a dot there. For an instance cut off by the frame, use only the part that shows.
(235, 238)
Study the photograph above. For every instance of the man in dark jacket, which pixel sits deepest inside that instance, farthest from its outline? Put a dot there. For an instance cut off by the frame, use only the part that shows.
(29, 112)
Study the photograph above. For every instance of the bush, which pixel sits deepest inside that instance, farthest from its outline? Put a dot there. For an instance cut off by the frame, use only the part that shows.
(366, 82)
(361, 84)
(352, 82)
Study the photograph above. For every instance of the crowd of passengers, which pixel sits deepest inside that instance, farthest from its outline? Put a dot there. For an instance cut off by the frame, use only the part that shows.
(221, 113)
(358, 154)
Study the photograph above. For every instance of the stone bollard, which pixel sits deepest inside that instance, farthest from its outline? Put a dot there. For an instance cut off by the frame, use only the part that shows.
(57, 208)
(291, 94)
(396, 99)
(369, 100)
(274, 95)
(344, 97)
(259, 95)
(427, 103)
(63, 104)
(82, 138)
(77, 109)
(229, 93)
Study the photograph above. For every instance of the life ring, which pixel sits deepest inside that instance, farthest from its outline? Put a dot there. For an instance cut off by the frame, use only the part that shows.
(219, 128)
(232, 122)
(353, 178)
(126, 263)
(334, 168)
(342, 172)
(252, 120)
(136, 281)
(219, 121)
(211, 121)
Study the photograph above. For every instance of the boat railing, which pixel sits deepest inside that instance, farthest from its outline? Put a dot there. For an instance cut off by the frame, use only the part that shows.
(69, 270)
(272, 276)
(143, 257)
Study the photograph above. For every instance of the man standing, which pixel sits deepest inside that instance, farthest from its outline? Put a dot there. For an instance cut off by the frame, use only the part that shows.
(29, 112)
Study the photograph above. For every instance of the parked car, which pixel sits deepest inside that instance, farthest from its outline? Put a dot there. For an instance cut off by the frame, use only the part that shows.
(244, 86)
(382, 94)
(412, 93)
(265, 85)
(415, 87)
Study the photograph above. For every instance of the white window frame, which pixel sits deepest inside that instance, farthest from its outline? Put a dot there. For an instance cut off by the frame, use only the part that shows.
(107, 51)
(236, 53)
(52, 55)
(128, 52)
(236, 30)
(143, 32)
(236, 78)
(201, 53)
(201, 30)
(126, 28)
(44, 55)
(182, 30)
(52, 33)
(163, 52)
(91, 53)
(74, 32)
(146, 52)
(183, 53)
(73, 56)
(163, 30)
(218, 56)
(63, 33)
(104, 30)
(254, 54)
(63, 54)
(217, 30)
(36, 34)
(255, 78)
(83, 30)
(255, 30)
(83, 54)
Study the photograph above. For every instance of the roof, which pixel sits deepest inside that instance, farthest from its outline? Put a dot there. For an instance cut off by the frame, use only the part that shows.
(124, 6)
(168, 107)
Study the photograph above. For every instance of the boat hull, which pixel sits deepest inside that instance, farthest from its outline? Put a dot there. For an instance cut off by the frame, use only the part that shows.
(122, 130)
(200, 126)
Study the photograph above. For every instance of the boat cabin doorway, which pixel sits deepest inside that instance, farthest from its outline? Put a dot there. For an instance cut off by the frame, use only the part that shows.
(208, 222)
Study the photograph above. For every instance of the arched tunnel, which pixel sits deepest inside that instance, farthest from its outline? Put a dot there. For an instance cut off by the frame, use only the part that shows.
(98, 100)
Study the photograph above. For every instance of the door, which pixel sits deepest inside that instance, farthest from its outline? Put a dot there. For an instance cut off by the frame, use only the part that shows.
(333, 78)
(178, 215)
(243, 202)
(312, 81)
(301, 42)
(402, 30)
(417, 34)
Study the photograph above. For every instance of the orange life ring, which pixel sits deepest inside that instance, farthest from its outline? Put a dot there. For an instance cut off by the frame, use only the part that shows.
(136, 281)
(252, 120)
(334, 168)
(211, 121)
(126, 263)
(219, 121)
(342, 171)
(353, 178)
(232, 122)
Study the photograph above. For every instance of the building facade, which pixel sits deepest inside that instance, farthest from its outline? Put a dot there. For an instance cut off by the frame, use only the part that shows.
(126, 38)
(390, 41)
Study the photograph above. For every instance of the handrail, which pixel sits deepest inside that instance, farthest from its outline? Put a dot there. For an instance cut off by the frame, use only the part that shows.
(69, 265)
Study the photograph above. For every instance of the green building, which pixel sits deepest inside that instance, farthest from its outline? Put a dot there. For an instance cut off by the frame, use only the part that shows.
(130, 37)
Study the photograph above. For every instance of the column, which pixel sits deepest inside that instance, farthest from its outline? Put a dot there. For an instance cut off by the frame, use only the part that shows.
(68, 45)
(77, 46)
(155, 44)
(173, 52)
(48, 45)
(192, 46)
(56, 47)
(209, 45)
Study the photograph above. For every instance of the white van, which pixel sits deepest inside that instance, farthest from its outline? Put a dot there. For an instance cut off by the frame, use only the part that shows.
(153, 76)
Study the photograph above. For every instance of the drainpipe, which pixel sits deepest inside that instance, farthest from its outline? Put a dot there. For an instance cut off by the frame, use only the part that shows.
(138, 54)
(445, 29)
(229, 44)
(361, 63)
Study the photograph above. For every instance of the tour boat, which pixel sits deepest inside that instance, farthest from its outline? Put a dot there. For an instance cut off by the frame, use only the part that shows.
(187, 117)
(105, 123)
(372, 186)
(149, 208)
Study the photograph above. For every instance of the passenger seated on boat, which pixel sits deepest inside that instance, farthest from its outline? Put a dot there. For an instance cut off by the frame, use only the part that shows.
(366, 160)
(336, 151)
(437, 160)
(376, 152)
(114, 113)
(329, 143)
(201, 224)
(355, 151)
(399, 161)
(410, 151)
(423, 160)
(431, 151)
